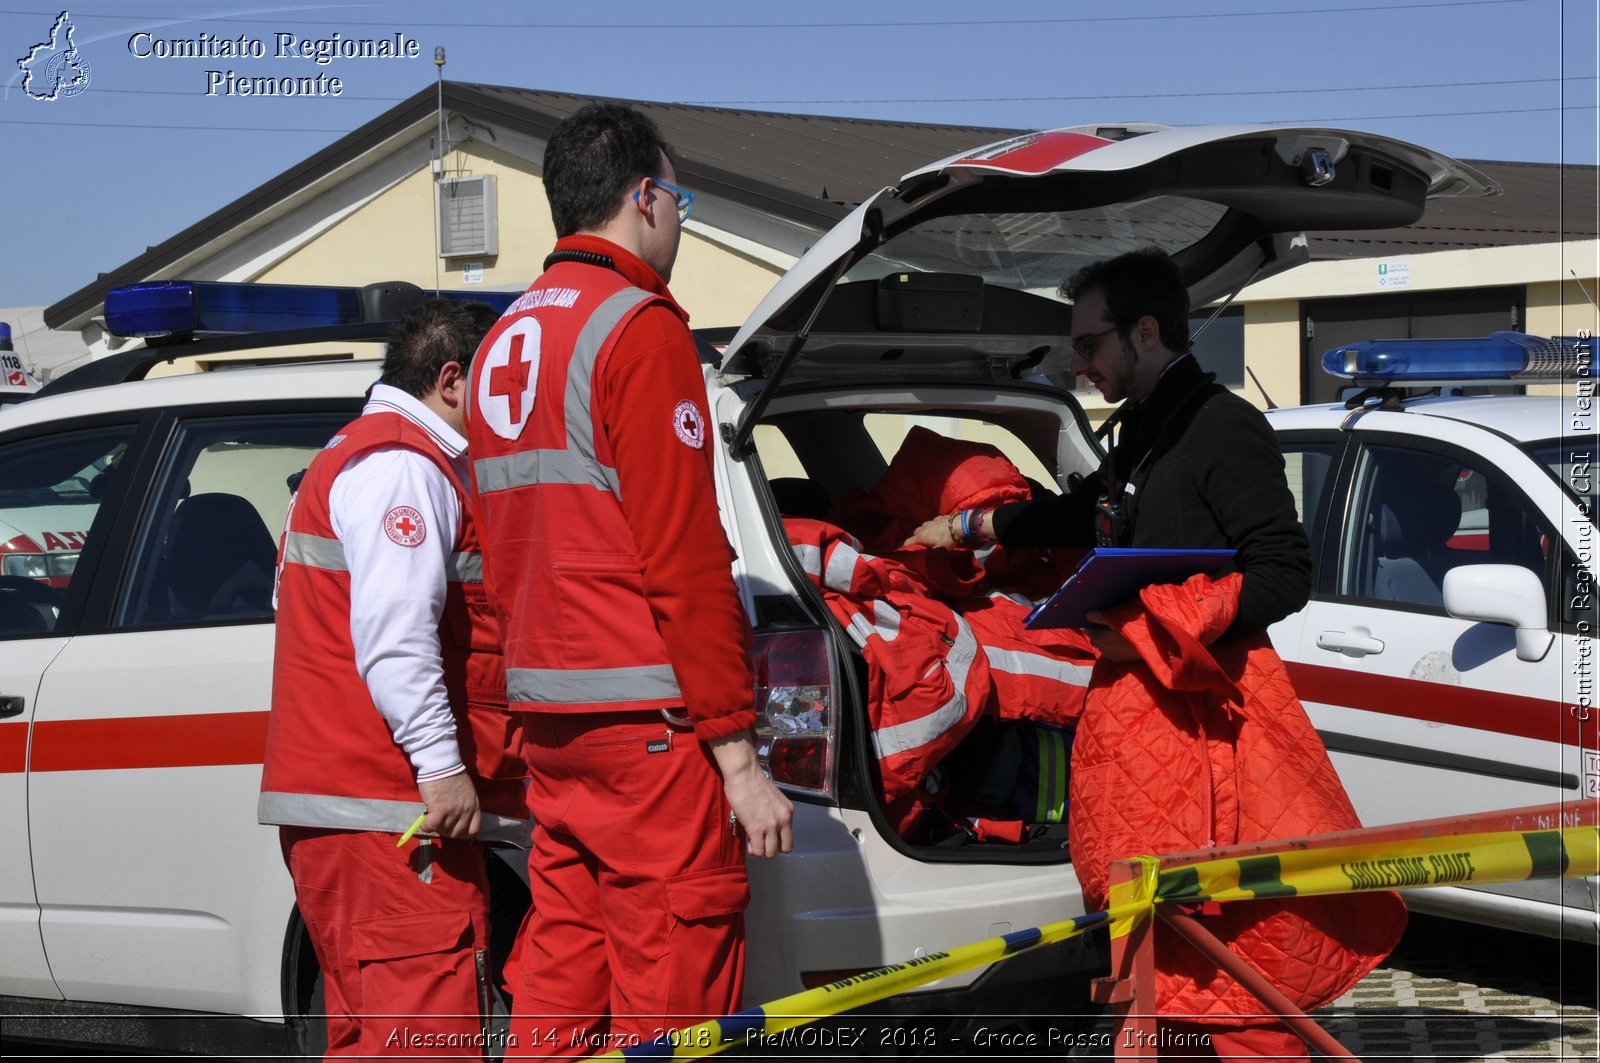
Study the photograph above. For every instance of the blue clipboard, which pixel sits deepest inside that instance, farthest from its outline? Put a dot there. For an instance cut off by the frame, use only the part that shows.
(1109, 575)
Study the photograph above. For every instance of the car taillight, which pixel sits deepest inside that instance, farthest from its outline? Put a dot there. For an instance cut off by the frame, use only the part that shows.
(801, 761)
(797, 722)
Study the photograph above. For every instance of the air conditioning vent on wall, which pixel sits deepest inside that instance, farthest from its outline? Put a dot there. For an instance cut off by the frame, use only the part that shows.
(468, 218)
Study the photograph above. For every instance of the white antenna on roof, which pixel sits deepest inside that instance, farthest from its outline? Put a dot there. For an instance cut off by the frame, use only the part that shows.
(437, 164)
(1579, 282)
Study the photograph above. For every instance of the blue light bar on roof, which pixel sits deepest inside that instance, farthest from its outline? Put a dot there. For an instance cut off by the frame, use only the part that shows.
(167, 308)
(1513, 357)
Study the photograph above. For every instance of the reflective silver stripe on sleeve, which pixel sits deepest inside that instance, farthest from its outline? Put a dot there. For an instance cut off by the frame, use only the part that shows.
(841, 571)
(810, 558)
(591, 686)
(363, 813)
(529, 467)
(314, 551)
(465, 568)
(912, 734)
(1042, 665)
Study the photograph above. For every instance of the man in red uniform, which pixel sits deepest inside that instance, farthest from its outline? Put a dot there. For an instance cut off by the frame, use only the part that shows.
(388, 700)
(625, 638)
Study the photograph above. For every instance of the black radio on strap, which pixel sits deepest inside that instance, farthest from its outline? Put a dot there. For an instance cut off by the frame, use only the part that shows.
(588, 258)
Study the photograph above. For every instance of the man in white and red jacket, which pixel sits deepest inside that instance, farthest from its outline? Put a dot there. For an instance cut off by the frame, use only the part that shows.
(388, 702)
(625, 637)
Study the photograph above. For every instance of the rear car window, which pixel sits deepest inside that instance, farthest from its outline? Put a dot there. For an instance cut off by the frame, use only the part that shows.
(207, 547)
(51, 488)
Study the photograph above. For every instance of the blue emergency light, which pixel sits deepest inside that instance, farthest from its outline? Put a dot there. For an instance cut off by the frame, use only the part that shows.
(5, 336)
(1514, 357)
(173, 308)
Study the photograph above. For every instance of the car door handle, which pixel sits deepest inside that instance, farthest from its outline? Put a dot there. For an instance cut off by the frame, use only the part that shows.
(11, 705)
(1357, 642)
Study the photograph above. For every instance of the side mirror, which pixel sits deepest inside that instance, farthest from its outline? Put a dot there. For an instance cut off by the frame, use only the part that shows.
(1502, 594)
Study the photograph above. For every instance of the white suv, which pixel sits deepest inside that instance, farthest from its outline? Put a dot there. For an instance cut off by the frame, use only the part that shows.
(1447, 655)
(135, 695)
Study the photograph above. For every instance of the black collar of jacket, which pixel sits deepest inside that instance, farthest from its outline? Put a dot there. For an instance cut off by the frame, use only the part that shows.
(1153, 425)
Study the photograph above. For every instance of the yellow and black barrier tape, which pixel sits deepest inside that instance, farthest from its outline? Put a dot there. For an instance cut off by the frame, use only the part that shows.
(1452, 860)
(746, 1029)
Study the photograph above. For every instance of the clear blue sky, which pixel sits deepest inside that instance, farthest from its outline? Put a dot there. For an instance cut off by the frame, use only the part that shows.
(142, 151)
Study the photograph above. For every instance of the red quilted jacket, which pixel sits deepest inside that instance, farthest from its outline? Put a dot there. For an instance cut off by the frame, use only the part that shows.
(1205, 745)
(929, 475)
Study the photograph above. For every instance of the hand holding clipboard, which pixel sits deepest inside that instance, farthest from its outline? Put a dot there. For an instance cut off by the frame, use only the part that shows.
(1109, 575)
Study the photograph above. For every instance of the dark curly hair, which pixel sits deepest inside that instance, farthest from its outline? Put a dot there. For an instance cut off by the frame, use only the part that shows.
(1141, 283)
(434, 332)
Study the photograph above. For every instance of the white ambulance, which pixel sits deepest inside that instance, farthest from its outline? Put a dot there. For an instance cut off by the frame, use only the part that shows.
(16, 383)
(140, 891)
(1447, 656)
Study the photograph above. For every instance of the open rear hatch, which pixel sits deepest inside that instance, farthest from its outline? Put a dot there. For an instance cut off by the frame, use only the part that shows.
(952, 273)
(951, 278)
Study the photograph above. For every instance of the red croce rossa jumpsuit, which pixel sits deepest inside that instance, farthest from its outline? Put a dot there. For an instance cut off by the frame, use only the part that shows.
(396, 931)
(588, 430)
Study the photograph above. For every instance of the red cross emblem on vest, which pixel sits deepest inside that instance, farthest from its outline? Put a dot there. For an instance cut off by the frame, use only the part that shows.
(509, 378)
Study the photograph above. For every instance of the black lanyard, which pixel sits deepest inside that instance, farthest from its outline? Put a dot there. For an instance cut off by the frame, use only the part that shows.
(1118, 505)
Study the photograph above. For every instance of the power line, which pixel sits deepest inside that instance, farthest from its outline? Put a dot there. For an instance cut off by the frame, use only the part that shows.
(1433, 114)
(1000, 99)
(1139, 96)
(190, 92)
(142, 125)
(917, 24)
(1262, 121)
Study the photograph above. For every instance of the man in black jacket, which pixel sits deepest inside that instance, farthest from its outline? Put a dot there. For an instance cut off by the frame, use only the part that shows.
(1194, 466)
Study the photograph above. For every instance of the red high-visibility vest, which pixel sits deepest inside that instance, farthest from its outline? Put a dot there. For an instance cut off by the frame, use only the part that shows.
(557, 544)
(331, 761)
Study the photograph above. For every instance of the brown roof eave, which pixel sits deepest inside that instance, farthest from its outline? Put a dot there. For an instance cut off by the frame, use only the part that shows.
(713, 180)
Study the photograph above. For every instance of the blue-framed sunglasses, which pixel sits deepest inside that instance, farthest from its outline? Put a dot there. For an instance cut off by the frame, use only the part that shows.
(681, 197)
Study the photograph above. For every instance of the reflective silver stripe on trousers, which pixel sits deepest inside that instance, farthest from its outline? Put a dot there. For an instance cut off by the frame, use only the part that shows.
(591, 686)
(577, 464)
(314, 551)
(911, 734)
(362, 813)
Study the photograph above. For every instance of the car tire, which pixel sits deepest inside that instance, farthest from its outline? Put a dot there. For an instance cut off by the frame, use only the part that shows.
(304, 995)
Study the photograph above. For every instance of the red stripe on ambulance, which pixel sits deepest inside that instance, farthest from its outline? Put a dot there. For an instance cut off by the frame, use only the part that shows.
(13, 747)
(1413, 699)
(150, 742)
